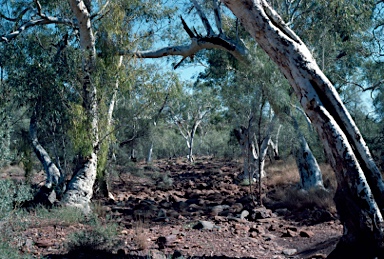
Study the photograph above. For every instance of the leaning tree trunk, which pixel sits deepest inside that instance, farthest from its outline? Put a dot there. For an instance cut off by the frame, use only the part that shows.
(360, 187)
(80, 189)
(54, 179)
(309, 169)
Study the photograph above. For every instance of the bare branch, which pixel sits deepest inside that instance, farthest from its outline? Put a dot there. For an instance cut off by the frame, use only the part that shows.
(300, 110)
(38, 5)
(178, 64)
(279, 23)
(196, 45)
(17, 18)
(102, 11)
(42, 21)
(187, 29)
(216, 10)
(372, 88)
(203, 18)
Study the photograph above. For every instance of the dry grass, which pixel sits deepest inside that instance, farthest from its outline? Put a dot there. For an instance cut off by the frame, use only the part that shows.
(283, 179)
(282, 174)
(140, 238)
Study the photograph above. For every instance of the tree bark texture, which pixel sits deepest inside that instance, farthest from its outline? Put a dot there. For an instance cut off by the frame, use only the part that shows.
(359, 180)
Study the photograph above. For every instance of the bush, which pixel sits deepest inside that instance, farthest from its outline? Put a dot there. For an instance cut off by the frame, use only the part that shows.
(12, 196)
(98, 237)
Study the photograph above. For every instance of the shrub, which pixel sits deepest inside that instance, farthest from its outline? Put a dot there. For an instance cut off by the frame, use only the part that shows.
(98, 237)
(12, 196)
(7, 251)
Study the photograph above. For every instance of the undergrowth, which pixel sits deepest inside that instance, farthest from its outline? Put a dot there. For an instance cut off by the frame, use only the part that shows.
(283, 185)
(97, 236)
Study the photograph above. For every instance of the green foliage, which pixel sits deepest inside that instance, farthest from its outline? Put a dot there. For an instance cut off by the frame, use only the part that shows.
(164, 181)
(65, 215)
(12, 196)
(7, 251)
(79, 131)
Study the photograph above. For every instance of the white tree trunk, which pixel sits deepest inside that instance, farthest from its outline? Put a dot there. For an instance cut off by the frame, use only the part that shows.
(80, 188)
(343, 143)
(309, 170)
(275, 145)
(254, 160)
(150, 151)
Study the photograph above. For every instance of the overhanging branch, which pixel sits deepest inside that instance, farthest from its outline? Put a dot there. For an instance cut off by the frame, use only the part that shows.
(196, 45)
(42, 20)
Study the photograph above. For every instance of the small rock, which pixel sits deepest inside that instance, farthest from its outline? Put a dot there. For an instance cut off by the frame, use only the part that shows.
(272, 227)
(289, 251)
(216, 210)
(44, 243)
(244, 214)
(177, 255)
(306, 233)
(289, 233)
(261, 213)
(294, 229)
(236, 208)
(240, 228)
(29, 244)
(202, 224)
(220, 219)
(230, 218)
(162, 213)
(269, 237)
(257, 229)
(253, 234)
(165, 241)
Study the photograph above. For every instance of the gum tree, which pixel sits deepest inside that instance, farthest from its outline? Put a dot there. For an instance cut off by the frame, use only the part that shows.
(360, 191)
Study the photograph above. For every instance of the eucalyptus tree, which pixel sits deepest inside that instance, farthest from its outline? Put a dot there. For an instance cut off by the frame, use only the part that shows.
(359, 195)
(141, 108)
(190, 111)
(80, 20)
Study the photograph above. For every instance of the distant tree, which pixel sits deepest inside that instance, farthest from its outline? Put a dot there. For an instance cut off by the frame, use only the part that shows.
(190, 111)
